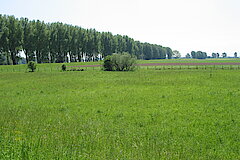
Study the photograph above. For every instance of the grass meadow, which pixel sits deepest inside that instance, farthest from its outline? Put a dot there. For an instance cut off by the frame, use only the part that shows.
(144, 114)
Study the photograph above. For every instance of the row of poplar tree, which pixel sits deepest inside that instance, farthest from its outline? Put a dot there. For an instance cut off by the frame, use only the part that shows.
(58, 42)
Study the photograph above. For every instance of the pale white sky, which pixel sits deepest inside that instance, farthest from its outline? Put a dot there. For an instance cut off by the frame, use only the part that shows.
(184, 25)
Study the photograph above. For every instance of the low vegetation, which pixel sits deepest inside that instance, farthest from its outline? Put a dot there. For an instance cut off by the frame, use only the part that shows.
(32, 66)
(64, 67)
(119, 62)
(145, 114)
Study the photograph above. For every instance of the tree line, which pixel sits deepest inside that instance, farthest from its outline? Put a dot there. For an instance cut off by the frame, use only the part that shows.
(203, 55)
(199, 55)
(58, 43)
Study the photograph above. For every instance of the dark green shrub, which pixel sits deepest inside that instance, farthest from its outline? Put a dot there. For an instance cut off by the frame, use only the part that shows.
(119, 62)
(74, 69)
(32, 66)
(107, 64)
(64, 67)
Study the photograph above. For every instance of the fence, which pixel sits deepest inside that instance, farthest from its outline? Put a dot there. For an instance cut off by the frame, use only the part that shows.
(191, 67)
(20, 68)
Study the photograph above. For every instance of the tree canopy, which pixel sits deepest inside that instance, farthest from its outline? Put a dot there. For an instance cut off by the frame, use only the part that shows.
(199, 55)
(176, 54)
(58, 42)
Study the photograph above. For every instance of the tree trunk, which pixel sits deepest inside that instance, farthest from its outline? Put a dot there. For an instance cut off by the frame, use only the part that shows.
(79, 56)
(38, 57)
(52, 59)
(13, 57)
(7, 55)
(26, 54)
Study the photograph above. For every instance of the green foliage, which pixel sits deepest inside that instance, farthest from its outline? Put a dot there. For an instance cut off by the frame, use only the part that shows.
(199, 55)
(224, 55)
(176, 54)
(235, 55)
(53, 42)
(32, 66)
(2, 59)
(14, 38)
(108, 64)
(169, 52)
(214, 55)
(119, 62)
(64, 67)
(188, 55)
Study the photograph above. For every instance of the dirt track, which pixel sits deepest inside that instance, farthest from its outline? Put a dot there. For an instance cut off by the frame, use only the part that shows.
(169, 64)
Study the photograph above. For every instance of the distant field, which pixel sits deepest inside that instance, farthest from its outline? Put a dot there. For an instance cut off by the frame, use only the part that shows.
(150, 113)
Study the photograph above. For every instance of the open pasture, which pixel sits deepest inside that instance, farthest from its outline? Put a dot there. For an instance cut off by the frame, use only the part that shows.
(145, 114)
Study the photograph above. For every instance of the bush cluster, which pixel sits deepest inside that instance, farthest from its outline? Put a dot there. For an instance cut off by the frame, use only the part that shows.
(32, 66)
(64, 67)
(119, 62)
(74, 69)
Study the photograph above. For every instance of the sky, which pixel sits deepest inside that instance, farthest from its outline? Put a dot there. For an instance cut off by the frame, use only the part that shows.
(183, 25)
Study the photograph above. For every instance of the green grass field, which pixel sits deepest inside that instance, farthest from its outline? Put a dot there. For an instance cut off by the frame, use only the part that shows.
(144, 114)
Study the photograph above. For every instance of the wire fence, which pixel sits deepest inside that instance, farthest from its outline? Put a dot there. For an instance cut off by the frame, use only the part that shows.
(45, 69)
(157, 67)
(191, 67)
